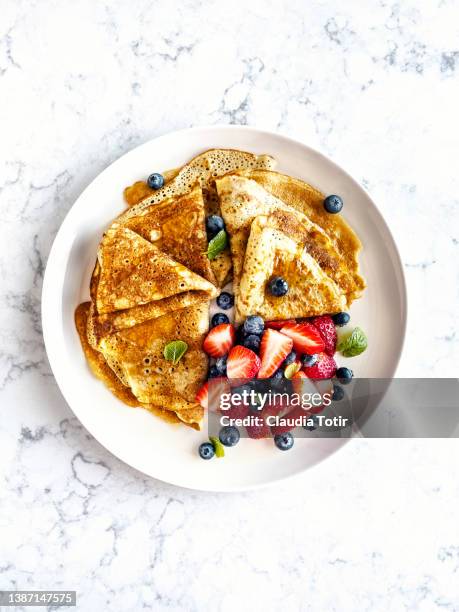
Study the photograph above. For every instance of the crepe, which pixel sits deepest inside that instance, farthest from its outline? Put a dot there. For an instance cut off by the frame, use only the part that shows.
(306, 199)
(136, 355)
(106, 374)
(242, 200)
(202, 169)
(272, 251)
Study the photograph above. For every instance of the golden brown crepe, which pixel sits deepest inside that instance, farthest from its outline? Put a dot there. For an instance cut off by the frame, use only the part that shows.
(202, 169)
(137, 356)
(242, 200)
(273, 251)
(309, 201)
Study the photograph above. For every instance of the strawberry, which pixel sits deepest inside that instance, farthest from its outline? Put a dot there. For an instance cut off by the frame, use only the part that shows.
(325, 367)
(219, 340)
(202, 395)
(295, 413)
(297, 381)
(327, 330)
(278, 324)
(210, 393)
(242, 363)
(274, 348)
(306, 338)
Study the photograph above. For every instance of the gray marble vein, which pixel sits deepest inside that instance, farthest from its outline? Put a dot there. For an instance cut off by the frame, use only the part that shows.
(375, 85)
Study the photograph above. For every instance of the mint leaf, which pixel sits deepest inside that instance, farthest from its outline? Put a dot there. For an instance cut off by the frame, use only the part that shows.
(354, 343)
(217, 244)
(174, 351)
(218, 446)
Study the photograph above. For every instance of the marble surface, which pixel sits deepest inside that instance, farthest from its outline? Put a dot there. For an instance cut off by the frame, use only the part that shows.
(375, 86)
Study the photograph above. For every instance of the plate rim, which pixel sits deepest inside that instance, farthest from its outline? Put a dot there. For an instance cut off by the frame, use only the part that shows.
(52, 262)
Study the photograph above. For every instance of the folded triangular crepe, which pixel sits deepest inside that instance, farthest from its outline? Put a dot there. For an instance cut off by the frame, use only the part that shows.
(272, 251)
(243, 199)
(134, 272)
(137, 357)
(306, 199)
(202, 169)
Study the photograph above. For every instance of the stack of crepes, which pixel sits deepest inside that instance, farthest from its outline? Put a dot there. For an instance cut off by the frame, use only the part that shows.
(278, 226)
(152, 284)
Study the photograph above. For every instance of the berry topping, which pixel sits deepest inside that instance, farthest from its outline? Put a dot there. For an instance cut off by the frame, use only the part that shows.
(278, 324)
(242, 363)
(225, 300)
(229, 435)
(206, 450)
(308, 360)
(214, 224)
(341, 318)
(214, 372)
(253, 325)
(291, 357)
(338, 393)
(306, 338)
(219, 340)
(327, 330)
(325, 367)
(278, 286)
(273, 350)
(220, 364)
(284, 441)
(344, 375)
(333, 204)
(219, 318)
(252, 342)
(155, 180)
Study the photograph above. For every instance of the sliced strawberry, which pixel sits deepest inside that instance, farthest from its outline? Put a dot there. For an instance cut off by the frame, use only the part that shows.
(274, 348)
(325, 367)
(306, 338)
(217, 387)
(327, 330)
(219, 340)
(202, 395)
(242, 363)
(278, 324)
(295, 413)
(299, 374)
(297, 381)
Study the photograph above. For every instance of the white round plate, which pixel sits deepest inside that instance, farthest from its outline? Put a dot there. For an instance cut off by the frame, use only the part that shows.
(146, 443)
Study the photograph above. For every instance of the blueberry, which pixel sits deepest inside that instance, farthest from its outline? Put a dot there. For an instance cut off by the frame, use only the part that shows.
(338, 393)
(220, 364)
(344, 375)
(314, 424)
(252, 342)
(225, 300)
(341, 318)
(333, 204)
(229, 435)
(289, 359)
(206, 450)
(278, 374)
(214, 224)
(254, 325)
(309, 360)
(278, 286)
(214, 372)
(219, 318)
(284, 441)
(155, 180)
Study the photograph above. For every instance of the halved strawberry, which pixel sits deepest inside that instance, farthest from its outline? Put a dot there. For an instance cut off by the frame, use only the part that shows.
(306, 338)
(274, 348)
(327, 330)
(277, 324)
(202, 395)
(325, 367)
(210, 393)
(242, 363)
(297, 381)
(219, 340)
